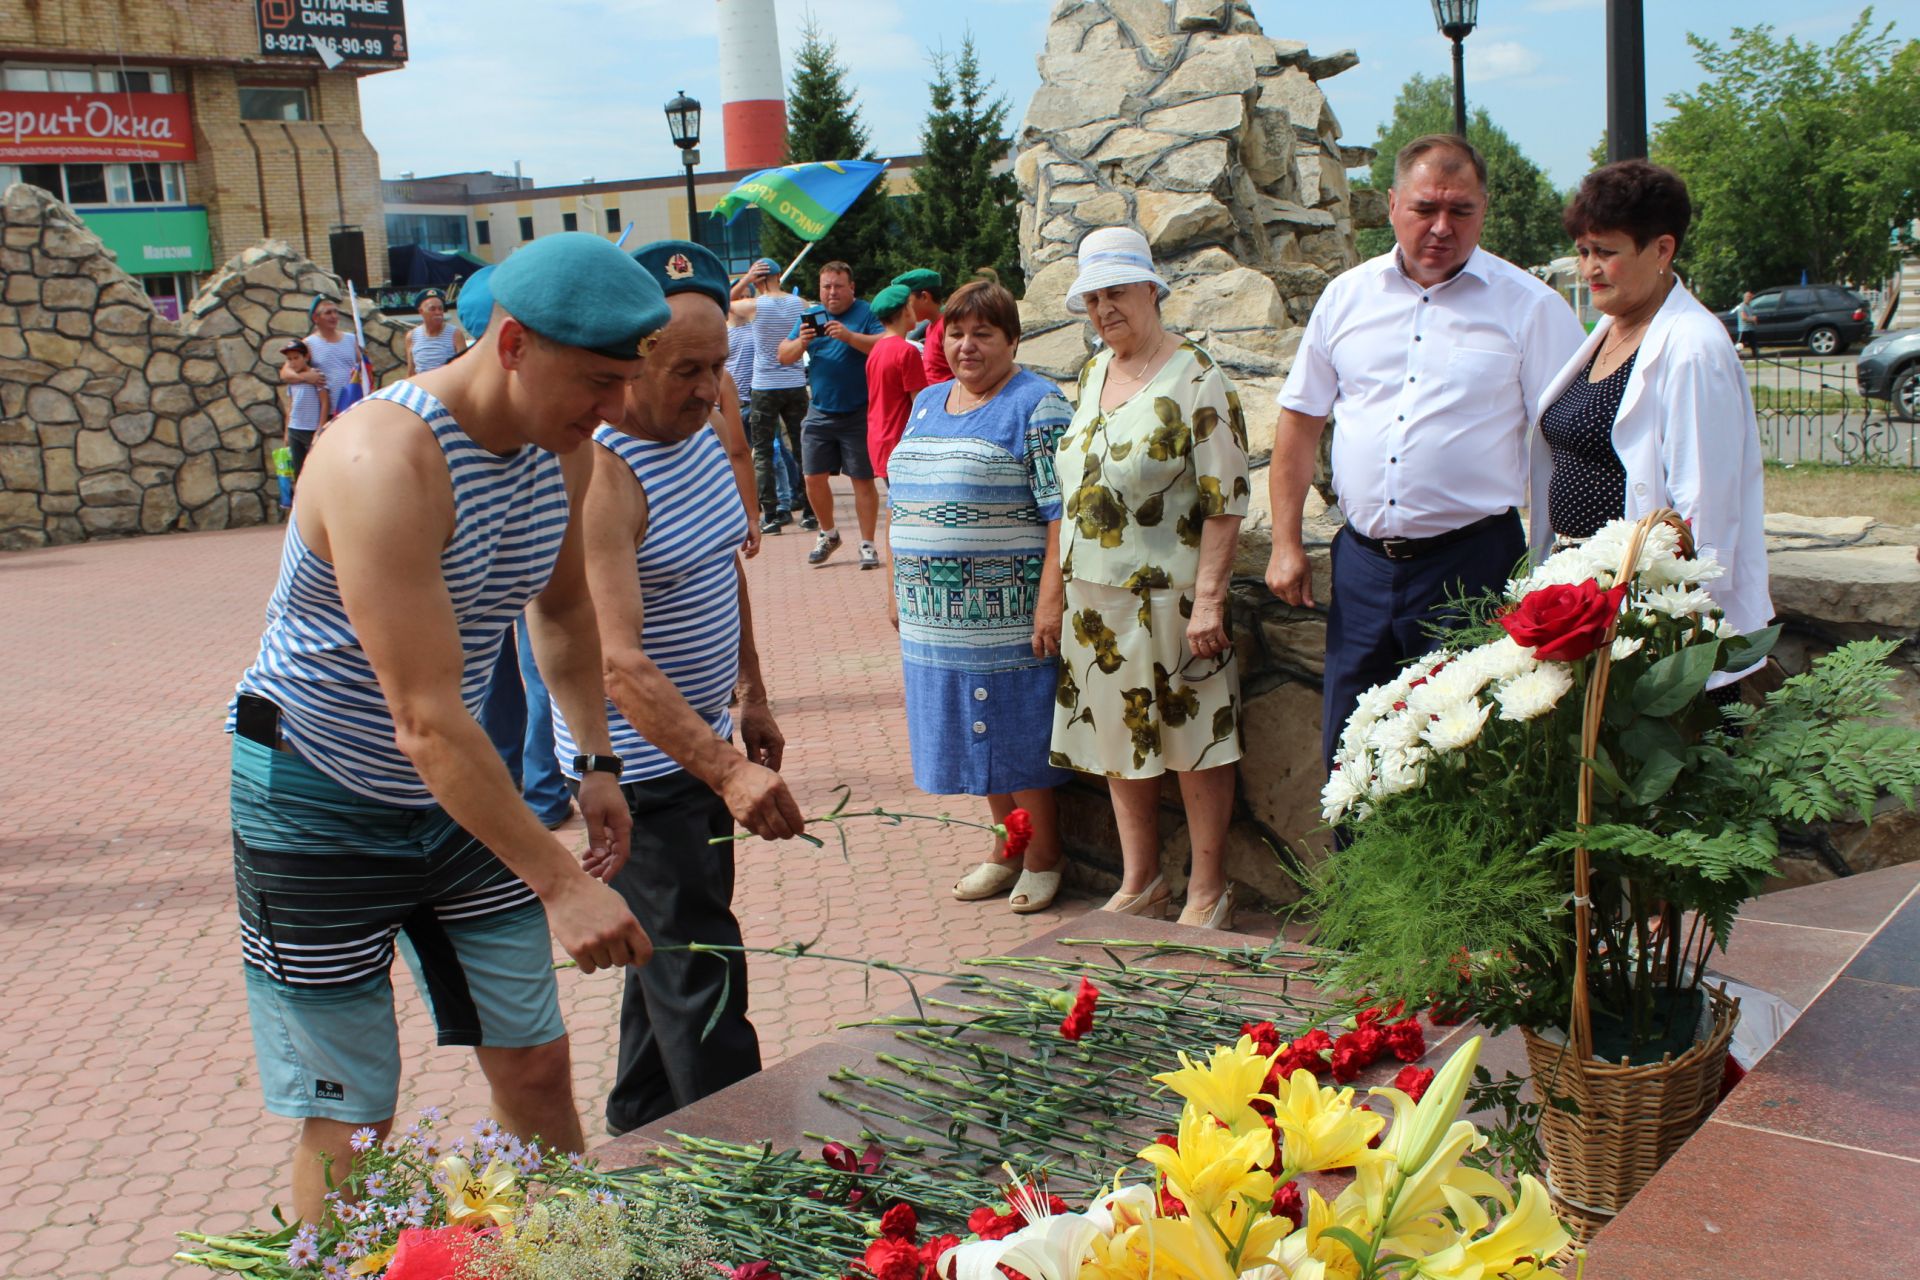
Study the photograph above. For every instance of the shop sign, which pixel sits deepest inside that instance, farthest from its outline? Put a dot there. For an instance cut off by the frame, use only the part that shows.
(154, 241)
(69, 128)
(362, 30)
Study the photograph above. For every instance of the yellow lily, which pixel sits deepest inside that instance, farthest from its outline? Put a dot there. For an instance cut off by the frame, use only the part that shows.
(1122, 1256)
(469, 1194)
(1311, 1254)
(1419, 1127)
(1214, 1165)
(1529, 1230)
(1321, 1128)
(1225, 1083)
(1417, 1225)
(1188, 1249)
(373, 1264)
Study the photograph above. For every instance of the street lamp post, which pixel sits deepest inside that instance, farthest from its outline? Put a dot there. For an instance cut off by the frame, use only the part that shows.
(683, 122)
(1626, 81)
(1456, 19)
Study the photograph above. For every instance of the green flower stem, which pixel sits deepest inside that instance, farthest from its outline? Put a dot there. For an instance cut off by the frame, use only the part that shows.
(839, 816)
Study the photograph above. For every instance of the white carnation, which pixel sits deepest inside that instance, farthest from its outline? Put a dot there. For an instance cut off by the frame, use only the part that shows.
(1534, 693)
(1400, 771)
(1626, 646)
(1456, 726)
(1457, 682)
(1678, 602)
(1345, 788)
(1397, 732)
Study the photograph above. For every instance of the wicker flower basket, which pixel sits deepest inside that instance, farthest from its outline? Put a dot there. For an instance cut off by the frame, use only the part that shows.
(1631, 1119)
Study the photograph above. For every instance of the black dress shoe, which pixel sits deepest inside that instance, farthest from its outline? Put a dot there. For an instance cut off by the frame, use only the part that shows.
(770, 525)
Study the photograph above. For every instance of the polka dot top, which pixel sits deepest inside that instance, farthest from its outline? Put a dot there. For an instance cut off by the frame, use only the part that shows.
(1589, 485)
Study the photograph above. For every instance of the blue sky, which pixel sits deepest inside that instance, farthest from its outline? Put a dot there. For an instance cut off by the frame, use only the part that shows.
(577, 91)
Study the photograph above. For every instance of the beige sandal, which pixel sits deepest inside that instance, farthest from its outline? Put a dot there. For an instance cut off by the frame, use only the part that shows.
(1150, 902)
(1034, 891)
(988, 880)
(1218, 914)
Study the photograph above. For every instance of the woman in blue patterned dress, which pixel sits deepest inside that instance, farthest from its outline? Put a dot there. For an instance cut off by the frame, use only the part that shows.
(975, 540)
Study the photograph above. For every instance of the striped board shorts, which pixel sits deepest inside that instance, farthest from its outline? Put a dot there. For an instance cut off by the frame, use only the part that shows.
(328, 884)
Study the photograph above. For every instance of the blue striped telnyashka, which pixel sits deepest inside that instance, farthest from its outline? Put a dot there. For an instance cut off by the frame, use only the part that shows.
(509, 516)
(689, 587)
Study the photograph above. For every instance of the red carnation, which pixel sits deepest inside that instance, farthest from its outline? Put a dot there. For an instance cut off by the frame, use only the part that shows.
(935, 1249)
(899, 1222)
(1315, 1041)
(1265, 1036)
(1289, 1204)
(1413, 1081)
(1563, 623)
(1169, 1141)
(1373, 1043)
(1407, 1041)
(1447, 1015)
(891, 1259)
(1171, 1206)
(989, 1224)
(1019, 825)
(761, 1270)
(1079, 1019)
(1348, 1060)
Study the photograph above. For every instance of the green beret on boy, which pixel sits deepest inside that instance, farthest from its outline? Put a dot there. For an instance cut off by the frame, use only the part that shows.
(919, 279)
(681, 266)
(579, 291)
(886, 304)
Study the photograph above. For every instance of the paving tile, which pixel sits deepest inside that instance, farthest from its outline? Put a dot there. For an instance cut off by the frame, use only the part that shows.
(1843, 1073)
(1894, 954)
(1790, 961)
(1742, 1204)
(1860, 903)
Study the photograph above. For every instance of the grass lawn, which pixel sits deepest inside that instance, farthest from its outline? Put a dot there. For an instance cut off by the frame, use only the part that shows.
(1801, 399)
(1891, 494)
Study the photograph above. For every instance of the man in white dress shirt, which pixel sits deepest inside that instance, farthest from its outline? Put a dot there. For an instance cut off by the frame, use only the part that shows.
(1432, 358)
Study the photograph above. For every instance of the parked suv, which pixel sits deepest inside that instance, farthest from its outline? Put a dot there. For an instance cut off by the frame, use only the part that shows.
(1823, 317)
(1890, 370)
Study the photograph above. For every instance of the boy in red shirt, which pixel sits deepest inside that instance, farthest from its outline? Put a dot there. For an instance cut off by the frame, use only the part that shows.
(895, 375)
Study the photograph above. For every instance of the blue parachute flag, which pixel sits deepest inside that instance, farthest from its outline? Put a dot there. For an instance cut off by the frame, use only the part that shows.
(806, 198)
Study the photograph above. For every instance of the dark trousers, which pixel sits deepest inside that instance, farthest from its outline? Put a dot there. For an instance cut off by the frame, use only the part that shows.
(1383, 610)
(680, 889)
(782, 406)
(299, 444)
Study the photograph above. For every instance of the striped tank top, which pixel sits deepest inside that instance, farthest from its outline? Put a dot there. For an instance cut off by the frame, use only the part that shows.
(773, 317)
(430, 352)
(688, 584)
(509, 516)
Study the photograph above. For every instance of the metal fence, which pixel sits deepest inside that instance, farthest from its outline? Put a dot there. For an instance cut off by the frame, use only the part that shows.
(1811, 410)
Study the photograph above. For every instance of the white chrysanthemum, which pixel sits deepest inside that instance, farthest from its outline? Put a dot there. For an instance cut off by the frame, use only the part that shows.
(1672, 571)
(1532, 694)
(1400, 771)
(1678, 602)
(1345, 788)
(1503, 659)
(1456, 726)
(1374, 703)
(1457, 682)
(1626, 646)
(1568, 568)
(1397, 732)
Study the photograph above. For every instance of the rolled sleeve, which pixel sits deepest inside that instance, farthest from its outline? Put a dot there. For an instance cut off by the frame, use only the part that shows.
(1312, 385)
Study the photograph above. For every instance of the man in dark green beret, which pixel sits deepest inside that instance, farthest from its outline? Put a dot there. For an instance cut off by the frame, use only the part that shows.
(926, 290)
(367, 802)
(664, 528)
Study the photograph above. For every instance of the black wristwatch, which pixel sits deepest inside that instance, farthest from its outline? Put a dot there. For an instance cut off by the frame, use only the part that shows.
(597, 764)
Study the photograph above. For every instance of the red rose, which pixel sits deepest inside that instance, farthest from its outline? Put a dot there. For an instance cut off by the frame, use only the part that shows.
(1564, 623)
(891, 1259)
(1347, 1060)
(424, 1253)
(1413, 1081)
(1407, 1040)
(899, 1222)
(991, 1225)
(1019, 825)
(1288, 1204)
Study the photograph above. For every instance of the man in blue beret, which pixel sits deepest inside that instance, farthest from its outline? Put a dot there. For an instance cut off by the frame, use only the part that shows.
(834, 339)
(664, 528)
(367, 802)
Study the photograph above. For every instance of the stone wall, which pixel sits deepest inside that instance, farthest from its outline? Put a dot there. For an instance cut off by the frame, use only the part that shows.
(115, 420)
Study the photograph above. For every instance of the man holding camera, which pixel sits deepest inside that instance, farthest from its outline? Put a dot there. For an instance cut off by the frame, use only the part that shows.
(779, 394)
(835, 338)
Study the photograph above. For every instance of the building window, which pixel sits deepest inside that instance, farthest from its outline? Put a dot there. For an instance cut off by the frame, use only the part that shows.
(613, 221)
(111, 184)
(482, 231)
(274, 102)
(86, 183)
(86, 80)
(440, 232)
(526, 228)
(737, 242)
(569, 222)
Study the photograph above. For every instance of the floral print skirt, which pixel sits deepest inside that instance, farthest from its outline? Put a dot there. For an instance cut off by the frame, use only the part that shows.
(1133, 701)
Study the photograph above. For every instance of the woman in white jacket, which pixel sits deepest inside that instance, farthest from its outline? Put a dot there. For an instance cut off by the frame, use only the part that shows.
(1654, 410)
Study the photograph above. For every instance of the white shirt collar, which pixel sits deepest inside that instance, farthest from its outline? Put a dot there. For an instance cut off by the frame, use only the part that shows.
(1476, 265)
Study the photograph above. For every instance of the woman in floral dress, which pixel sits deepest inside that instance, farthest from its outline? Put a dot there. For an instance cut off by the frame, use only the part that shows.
(1154, 471)
(974, 536)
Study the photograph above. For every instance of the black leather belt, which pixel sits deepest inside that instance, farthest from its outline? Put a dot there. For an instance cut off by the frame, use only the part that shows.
(1414, 548)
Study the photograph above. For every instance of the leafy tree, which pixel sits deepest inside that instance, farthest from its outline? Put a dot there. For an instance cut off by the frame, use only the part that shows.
(965, 216)
(1798, 157)
(823, 123)
(1523, 209)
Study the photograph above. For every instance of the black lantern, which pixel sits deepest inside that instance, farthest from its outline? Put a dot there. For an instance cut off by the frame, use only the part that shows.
(683, 122)
(1456, 20)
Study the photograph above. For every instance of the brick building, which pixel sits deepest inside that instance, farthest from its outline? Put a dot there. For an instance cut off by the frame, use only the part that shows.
(183, 131)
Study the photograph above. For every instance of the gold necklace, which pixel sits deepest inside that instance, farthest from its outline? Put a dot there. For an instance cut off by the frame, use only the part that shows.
(1125, 380)
(980, 400)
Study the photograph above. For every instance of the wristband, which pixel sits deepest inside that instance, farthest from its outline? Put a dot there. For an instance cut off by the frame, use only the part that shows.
(597, 764)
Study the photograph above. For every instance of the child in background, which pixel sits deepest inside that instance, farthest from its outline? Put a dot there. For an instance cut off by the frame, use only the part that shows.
(895, 375)
(307, 404)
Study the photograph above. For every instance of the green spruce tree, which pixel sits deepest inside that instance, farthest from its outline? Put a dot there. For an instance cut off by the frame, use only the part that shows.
(823, 123)
(964, 215)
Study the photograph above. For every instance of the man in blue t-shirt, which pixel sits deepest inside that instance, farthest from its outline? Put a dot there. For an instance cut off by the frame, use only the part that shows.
(834, 338)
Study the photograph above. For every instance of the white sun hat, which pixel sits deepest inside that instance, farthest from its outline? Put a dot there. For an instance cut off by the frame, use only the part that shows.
(1112, 256)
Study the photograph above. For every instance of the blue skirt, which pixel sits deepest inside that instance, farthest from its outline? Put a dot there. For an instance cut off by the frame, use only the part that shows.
(981, 733)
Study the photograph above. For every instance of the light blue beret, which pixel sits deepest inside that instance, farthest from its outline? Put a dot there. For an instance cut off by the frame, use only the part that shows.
(476, 302)
(579, 291)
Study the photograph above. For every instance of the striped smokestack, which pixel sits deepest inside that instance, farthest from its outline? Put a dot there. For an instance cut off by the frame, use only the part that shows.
(753, 95)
